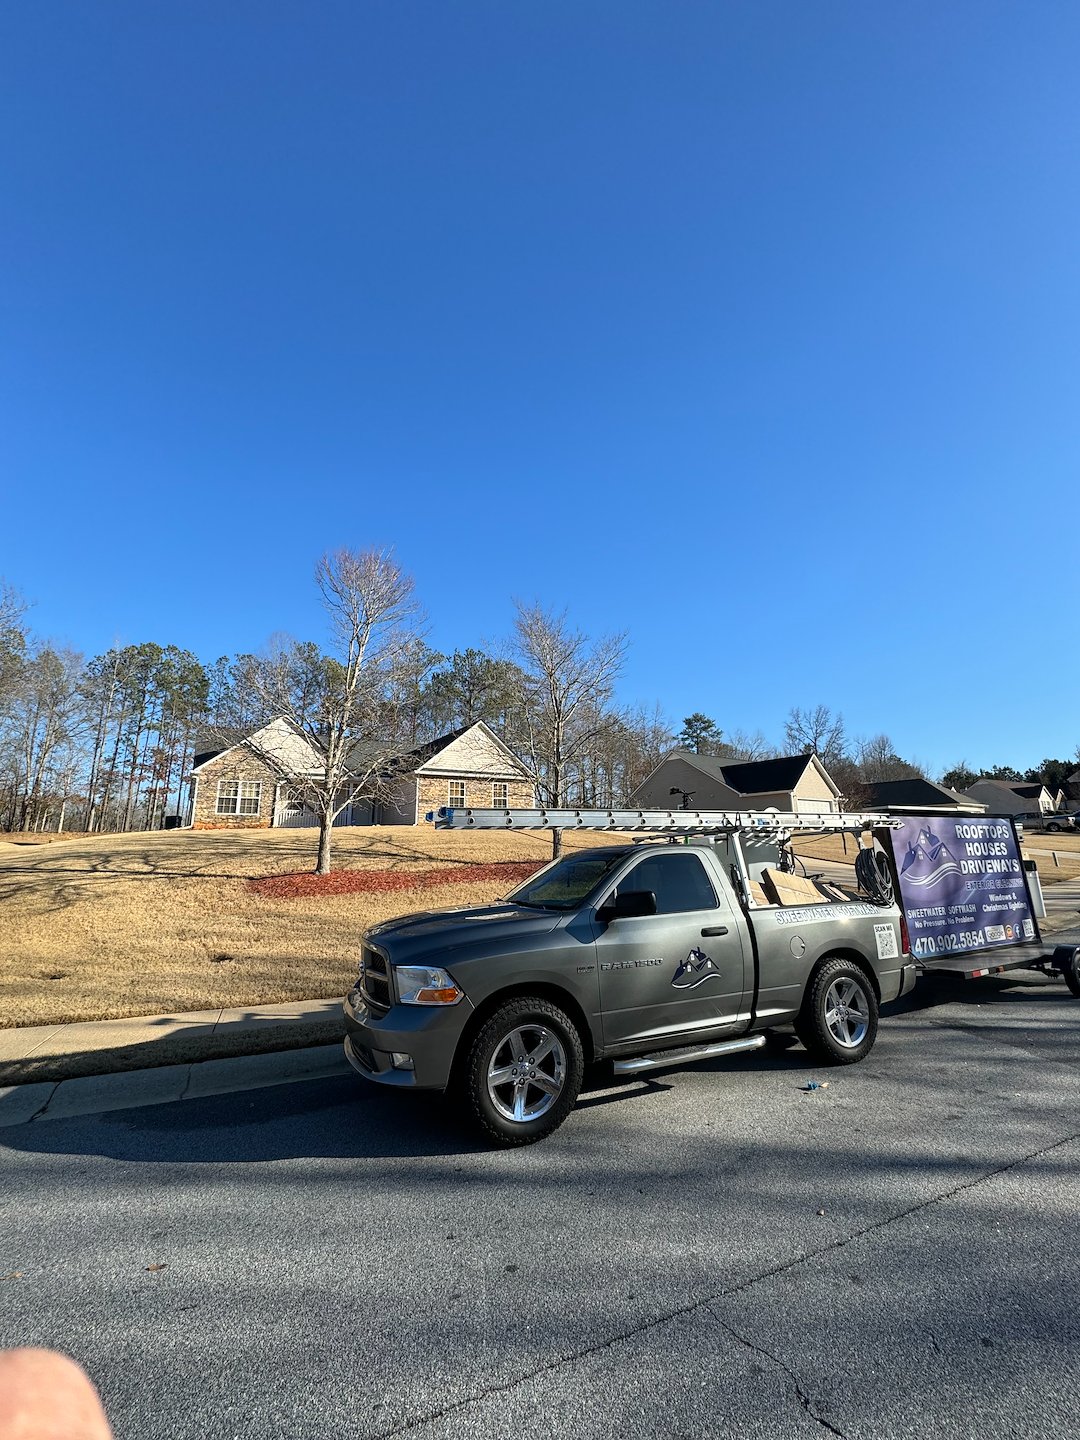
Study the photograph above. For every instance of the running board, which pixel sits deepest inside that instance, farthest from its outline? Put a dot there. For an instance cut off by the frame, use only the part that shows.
(665, 1059)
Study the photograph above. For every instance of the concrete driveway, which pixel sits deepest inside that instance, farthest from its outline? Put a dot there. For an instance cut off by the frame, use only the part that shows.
(717, 1252)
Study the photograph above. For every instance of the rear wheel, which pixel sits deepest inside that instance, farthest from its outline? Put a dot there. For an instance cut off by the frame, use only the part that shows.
(524, 1071)
(1071, 973)
(839, 1018)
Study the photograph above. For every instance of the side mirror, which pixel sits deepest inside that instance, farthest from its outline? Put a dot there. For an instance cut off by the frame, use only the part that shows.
(627, 905)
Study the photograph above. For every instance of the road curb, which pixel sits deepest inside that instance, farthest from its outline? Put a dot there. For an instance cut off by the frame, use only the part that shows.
(165, 1084)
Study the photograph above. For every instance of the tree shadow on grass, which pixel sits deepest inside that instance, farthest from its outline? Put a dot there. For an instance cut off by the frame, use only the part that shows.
(42, 880)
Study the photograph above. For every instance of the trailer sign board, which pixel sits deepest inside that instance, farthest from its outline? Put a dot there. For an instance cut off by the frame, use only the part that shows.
(962, 884)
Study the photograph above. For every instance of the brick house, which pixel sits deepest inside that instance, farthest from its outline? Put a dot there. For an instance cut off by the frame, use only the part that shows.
(245, 784)
(256, 781)
(470, 766)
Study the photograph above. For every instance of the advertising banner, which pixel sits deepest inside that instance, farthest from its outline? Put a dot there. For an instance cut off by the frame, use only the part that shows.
(961, 884)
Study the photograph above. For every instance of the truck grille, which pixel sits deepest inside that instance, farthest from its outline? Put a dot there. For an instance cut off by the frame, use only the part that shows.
(375, 980)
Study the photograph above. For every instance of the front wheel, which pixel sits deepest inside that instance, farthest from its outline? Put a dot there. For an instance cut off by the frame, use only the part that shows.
(524, 1071)
(1071, 974)
(839, 1018)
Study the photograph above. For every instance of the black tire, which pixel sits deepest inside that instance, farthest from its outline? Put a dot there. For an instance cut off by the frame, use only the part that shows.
(838, 1023)
(538, 1050)
(1053, 826)
(1071, 974)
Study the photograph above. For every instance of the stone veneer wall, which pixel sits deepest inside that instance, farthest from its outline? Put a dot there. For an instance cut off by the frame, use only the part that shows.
(238, 764)
(433, 791)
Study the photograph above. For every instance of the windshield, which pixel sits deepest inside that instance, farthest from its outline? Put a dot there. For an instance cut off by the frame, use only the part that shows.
(565, 883)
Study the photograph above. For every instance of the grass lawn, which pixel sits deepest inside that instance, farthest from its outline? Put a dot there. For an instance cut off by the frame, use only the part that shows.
(102, 927)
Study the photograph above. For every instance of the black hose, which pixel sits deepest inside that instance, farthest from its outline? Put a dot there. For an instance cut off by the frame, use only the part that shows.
(874, 877)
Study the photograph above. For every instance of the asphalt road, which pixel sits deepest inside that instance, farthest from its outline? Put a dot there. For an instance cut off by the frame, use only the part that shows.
(343, 1262)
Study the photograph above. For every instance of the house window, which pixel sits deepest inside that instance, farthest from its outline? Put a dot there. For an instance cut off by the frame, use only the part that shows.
(499, 794)
(239, 797)
(456, 796)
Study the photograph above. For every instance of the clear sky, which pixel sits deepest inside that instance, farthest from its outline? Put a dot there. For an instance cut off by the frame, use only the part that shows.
(750, 328)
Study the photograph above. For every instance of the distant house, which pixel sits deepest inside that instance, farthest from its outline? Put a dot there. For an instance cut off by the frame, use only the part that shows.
(919, 797)
(256, 780)
(1003, 797)
(469, 767)
(799, 783)
(242, 783)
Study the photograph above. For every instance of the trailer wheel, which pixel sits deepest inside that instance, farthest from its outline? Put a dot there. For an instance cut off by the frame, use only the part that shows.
(1071, 972)
(839, 1018)
(524, 1071)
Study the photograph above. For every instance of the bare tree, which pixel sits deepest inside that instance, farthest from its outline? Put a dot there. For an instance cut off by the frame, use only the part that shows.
(346, 703)
(818, 730)
(878, 760)
(960, 777)
(569, 680)
(13, 638)
(747, 745)
(43, 718)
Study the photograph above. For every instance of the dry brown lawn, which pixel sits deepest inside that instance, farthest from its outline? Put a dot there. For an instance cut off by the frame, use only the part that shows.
(102, 927)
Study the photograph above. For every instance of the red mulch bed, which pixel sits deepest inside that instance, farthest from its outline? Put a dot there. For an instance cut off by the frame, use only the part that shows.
(360, 882)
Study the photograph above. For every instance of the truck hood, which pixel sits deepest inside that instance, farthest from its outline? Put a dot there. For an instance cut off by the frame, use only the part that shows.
(410, 936)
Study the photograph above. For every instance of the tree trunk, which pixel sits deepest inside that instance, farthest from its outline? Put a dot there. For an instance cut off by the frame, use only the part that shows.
(556, 844)
(326, 830)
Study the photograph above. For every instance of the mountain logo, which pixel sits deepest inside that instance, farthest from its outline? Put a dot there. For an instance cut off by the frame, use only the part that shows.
(928, 861)
(694, 971)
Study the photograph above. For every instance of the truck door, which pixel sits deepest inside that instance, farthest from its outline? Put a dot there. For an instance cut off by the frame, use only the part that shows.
(682, 969)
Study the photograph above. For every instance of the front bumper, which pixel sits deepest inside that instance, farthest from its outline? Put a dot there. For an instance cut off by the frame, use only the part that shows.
(429, 1033)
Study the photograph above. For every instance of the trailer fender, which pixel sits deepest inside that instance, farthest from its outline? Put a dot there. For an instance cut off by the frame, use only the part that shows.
(1066, 959)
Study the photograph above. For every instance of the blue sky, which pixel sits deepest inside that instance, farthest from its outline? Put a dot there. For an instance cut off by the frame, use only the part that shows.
(751, 329)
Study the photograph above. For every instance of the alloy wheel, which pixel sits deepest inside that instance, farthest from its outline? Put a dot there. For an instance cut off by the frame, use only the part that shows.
(847, 1013)
(526, 1073)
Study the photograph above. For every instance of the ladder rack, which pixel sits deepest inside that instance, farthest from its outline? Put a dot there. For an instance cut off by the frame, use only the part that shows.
(661, 822)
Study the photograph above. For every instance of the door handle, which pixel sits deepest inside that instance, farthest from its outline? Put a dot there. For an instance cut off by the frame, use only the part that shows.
(714, 930)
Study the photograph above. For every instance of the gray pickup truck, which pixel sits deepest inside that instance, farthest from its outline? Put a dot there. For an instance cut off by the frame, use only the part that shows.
(645, 955)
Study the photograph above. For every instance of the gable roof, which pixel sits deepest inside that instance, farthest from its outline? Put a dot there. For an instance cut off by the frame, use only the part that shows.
(916, 792)
(280, 743)
(481, 737)
(209, 743)
(748, 777)
(1023, 790)
(413, 759)
(783, 772)
(289, 750)
(710, 765)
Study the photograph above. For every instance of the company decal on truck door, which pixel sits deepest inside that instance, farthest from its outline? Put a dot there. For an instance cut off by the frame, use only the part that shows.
(694, 971)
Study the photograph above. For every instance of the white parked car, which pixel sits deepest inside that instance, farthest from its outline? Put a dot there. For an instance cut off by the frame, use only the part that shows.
(1061, 820)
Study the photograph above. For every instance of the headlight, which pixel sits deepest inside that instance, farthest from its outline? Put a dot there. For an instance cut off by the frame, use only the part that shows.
(426, 985)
